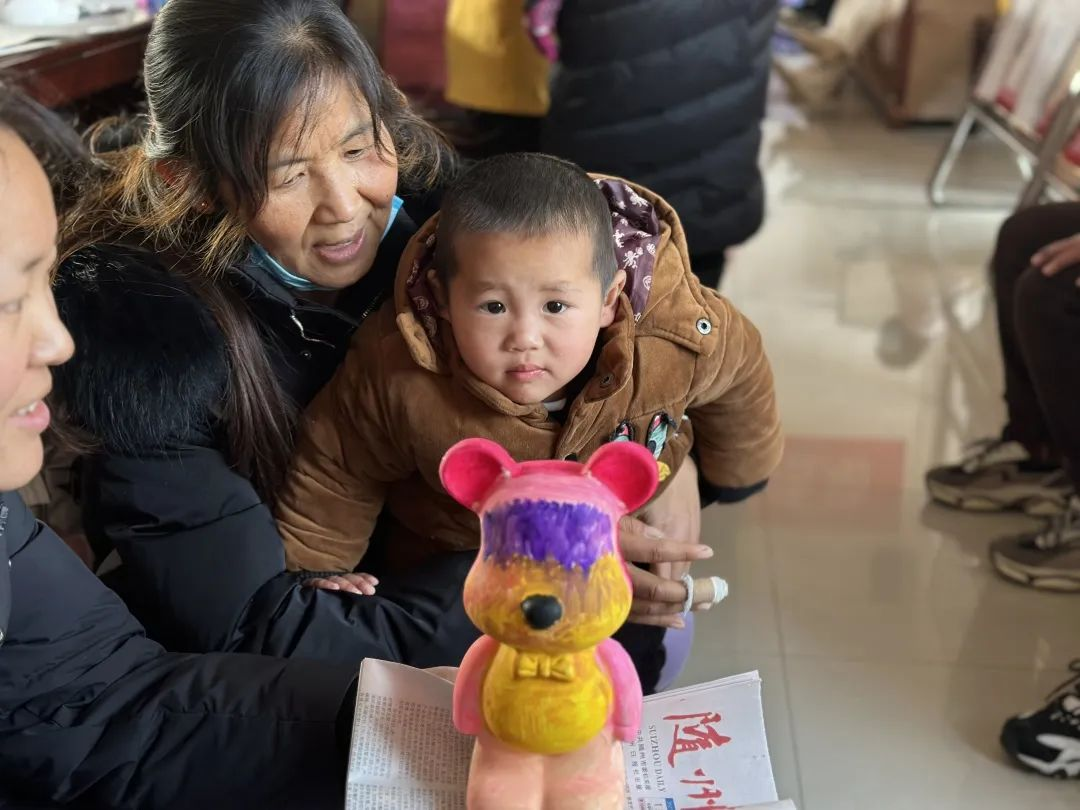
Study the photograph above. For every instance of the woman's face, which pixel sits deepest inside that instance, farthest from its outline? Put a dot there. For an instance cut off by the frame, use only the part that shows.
(32, 338)
(330, 193)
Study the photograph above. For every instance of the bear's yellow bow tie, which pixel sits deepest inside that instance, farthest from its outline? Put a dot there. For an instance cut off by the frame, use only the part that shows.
(539, 665)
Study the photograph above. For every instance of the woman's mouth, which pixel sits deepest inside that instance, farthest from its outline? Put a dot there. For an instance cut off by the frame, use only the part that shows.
(341, 252)
(34, 417)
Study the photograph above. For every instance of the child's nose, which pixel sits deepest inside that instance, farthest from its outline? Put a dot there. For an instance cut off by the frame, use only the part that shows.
(541, 612)
(525, 335)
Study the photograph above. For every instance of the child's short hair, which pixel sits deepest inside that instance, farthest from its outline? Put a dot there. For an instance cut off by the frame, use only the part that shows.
(528, 194)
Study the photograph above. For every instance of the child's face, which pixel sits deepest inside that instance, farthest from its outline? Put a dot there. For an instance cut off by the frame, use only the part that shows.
(526, 311)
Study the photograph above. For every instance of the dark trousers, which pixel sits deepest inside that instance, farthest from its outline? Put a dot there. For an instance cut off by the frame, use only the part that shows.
(1039, 323)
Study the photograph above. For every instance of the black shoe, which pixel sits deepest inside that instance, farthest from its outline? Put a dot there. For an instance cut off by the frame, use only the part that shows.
(1047, 741)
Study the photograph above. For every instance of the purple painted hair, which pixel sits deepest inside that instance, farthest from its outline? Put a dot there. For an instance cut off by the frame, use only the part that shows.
(570, 533)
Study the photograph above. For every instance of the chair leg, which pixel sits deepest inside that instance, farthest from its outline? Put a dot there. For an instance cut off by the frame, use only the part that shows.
(947, 162)
(1059, 133)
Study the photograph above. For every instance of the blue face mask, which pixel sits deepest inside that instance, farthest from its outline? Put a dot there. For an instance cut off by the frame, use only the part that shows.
(293, 281)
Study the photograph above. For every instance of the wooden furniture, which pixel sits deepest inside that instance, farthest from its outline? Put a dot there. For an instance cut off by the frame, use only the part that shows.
(919, 67)
(75, 70)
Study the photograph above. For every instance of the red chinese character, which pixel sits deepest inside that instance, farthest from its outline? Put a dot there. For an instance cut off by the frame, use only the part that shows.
(707, 793)
(696, 736)
(702, 781)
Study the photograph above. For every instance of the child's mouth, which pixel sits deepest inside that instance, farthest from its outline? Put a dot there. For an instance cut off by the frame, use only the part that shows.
(526, 373)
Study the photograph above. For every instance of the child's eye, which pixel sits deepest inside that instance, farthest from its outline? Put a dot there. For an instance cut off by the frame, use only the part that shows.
(554, 307)
(493, 307)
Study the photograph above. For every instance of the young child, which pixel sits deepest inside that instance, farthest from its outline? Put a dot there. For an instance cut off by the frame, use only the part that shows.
(546, 311)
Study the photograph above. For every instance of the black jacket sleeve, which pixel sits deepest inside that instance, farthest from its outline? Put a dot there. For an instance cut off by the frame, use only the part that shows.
(94, 713)
(203, 564)
(204, 568)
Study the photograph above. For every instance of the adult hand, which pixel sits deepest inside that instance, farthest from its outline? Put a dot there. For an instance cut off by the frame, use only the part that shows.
(657, 601)
(1058, 255)
(677, 515)
(359, 584)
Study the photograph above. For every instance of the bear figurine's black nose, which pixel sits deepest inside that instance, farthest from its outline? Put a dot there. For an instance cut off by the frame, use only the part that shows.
(541, 612)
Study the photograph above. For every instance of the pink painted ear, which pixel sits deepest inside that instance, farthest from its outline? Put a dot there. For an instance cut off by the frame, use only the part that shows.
(471, 467)
(627, 469)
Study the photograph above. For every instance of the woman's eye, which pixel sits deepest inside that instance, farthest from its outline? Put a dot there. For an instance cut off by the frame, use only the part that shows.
(355, 154)
(291, 181)
(554, 307)
(493, 307)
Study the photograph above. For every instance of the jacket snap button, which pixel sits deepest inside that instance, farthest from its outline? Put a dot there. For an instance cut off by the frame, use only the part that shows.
(306, 354)
(607, 380)
(704, 325)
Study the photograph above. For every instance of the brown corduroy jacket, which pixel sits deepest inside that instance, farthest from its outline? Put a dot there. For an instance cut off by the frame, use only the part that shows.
(679, 369)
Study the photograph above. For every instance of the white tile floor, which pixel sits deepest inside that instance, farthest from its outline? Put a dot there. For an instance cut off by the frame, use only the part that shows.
(889, 651)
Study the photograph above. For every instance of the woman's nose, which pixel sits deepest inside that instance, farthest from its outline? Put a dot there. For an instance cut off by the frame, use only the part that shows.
(339, 201)
(52, 345)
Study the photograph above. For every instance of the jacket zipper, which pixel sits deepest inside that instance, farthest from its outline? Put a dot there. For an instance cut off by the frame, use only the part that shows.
(355, 324)
(304, 335)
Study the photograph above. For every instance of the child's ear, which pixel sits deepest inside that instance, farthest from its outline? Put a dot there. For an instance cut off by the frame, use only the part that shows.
(438, 289)
(611, 299)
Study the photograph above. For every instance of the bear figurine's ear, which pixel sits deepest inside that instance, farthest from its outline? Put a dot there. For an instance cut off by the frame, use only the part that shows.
(471, 467)
(628, 470)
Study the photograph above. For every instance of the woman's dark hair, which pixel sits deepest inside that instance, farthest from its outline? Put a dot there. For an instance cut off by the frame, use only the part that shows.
(222, 78)
(53, 142)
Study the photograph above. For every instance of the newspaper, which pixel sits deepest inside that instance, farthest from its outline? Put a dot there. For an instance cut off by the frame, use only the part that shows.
(699, 747)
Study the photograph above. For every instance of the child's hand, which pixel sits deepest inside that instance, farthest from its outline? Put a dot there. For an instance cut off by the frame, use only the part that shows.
(360, 584)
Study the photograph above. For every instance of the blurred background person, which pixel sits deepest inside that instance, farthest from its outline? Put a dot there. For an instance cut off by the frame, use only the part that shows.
(671, 95)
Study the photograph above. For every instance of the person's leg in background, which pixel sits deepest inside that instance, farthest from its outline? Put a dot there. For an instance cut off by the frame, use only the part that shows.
(1022, 468)
(709, 268)
(1021, 291)
(1046, 321)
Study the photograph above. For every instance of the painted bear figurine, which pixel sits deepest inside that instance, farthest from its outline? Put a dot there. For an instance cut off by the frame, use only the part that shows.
(546, 691)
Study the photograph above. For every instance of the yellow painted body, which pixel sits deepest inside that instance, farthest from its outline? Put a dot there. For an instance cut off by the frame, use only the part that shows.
(546, 691)
(546, 715)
